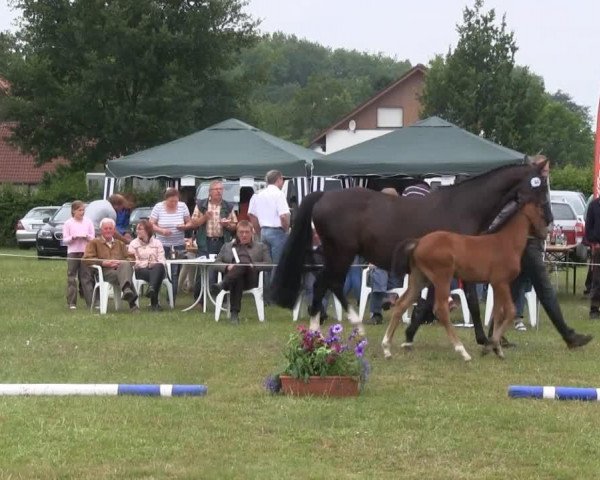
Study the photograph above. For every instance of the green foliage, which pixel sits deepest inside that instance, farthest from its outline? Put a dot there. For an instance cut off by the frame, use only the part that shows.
(308, 353)
(103, 79)
(299, 87)
(571, 177)
(478, 87)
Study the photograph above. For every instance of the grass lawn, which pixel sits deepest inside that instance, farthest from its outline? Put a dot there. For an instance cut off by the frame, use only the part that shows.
(423, 415)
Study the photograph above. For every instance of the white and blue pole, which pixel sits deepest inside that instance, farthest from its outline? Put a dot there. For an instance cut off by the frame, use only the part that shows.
(554, 393)
(102, 389)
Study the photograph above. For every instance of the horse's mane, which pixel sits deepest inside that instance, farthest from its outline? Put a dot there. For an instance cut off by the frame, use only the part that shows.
(482, 176)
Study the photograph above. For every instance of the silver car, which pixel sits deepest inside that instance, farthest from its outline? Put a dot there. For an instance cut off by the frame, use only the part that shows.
(28, 226)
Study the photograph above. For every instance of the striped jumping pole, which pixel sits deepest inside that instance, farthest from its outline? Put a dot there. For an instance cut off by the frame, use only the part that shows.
(554, 393)
(102, 389)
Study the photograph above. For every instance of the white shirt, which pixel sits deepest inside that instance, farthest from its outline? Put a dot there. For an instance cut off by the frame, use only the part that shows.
(267, 206)
(170, 221)
(98, 210)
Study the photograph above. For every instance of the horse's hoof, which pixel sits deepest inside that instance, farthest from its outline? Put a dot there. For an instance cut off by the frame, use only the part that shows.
(387, 355)
(407, 346)
(486, 349)
(499, 353)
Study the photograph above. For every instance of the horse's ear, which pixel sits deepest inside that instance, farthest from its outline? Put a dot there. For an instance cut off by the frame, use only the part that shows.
(541, 165)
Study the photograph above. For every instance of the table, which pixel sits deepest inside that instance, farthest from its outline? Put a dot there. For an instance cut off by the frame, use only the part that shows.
(202, 264)
(558, 255)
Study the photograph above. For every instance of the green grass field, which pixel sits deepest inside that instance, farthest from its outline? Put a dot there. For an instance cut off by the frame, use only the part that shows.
(423, 415)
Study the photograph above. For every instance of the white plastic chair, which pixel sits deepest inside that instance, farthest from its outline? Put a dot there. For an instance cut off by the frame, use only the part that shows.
(530, 300)
(105, 290)
(256, 292)
(167, 283)
(365, 291)
(298, 307)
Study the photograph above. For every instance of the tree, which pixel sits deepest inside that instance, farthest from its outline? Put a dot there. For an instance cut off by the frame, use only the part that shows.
(471, 86)
(479, 87)
(103, 79)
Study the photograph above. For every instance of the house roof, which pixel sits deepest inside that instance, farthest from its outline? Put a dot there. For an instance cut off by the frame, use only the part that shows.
(17, 167)
(230, 149)
(344, 120)
(430, 147)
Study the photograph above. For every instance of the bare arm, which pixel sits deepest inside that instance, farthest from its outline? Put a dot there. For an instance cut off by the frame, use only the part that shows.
(285, 221)
(255, 224)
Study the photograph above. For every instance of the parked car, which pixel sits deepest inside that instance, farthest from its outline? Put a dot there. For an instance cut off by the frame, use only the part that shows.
(566, 218)
(575, 199)
(48, 241)
(137, 214)
(27, 227)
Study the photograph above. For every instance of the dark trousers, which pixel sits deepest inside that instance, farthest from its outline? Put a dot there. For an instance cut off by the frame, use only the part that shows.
(533, 267)
(595, 286)
(213, 246)
(179, 249)
(154, 275)
(238, 279)
(77, 270)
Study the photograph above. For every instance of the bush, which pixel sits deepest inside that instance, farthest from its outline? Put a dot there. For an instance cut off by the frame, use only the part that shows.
(571, 177)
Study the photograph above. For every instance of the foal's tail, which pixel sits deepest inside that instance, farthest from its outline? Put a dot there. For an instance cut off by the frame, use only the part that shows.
(402, 257)
(287, 280)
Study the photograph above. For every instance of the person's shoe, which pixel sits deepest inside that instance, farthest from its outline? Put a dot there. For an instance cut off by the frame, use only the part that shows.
(235, 318)
(156, 308)
(594, 314)
(389, 302)
(215, 288)
(374, 319)
(72, 307)
(519, 325)
(150, 292)
(129, 295)
(578, 340)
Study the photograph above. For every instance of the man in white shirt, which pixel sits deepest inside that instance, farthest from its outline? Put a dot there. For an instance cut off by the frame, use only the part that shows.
(270, 214)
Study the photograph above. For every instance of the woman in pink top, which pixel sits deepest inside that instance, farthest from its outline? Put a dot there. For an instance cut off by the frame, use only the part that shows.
(77, 232)
(149, 255)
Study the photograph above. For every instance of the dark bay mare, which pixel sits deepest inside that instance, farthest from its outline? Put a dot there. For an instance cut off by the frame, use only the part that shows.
(362, 222)
(439, 256)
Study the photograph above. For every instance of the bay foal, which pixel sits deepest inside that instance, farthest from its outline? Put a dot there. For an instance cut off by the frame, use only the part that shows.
(440, 256)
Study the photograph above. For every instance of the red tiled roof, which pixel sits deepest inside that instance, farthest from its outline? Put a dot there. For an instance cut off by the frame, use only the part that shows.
(17, 167)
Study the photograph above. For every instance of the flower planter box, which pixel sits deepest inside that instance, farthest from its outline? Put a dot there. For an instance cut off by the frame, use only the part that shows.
(320, 386)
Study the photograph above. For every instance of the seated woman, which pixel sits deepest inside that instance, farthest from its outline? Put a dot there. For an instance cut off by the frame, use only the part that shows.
(149, 255)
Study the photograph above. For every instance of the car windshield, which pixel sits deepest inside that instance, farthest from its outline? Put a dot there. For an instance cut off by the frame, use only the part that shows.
(62, 215)
(563, 211)
(572, 198)
(139, 213)
(40, 213)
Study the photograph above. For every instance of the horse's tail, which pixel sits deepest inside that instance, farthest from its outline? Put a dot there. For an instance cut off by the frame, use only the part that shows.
(402, 256)
(287, 280)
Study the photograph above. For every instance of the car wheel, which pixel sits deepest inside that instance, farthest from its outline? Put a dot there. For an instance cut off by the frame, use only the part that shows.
(41, 256)
(24, 246)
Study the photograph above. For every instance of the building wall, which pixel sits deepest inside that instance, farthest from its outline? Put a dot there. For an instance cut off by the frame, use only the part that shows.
(406, 95)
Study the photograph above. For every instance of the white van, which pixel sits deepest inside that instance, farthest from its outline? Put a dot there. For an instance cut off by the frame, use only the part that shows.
(575, 199)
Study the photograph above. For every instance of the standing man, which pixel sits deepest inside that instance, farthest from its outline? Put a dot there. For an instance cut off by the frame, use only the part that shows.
(270, 214)
(592, 235)
(97, 210)
(241, 257)
(216, 223)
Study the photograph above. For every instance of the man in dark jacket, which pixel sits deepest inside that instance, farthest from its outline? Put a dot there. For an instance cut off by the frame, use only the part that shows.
(592, 235)
(241, 257)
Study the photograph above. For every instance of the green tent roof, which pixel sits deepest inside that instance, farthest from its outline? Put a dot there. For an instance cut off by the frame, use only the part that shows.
(431, 146)
(228, 149)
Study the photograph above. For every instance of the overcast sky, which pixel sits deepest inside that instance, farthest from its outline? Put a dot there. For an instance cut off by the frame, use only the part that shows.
(558, 40)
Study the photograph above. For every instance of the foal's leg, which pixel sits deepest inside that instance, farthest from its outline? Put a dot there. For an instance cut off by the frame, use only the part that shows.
(405, 301)
(422, 309)
(442, 292)
(503, 297)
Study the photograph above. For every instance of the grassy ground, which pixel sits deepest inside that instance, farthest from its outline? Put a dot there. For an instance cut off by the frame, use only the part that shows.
(423, 415)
